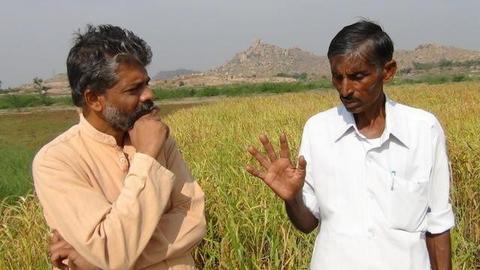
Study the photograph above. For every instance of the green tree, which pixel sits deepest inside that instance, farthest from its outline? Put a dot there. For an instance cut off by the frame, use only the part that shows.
(42, 92)
(39, 87)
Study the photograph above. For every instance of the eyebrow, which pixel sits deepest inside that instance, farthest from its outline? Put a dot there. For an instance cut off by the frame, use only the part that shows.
(139, 82)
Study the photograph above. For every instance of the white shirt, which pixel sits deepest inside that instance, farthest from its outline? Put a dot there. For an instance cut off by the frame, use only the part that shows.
(375, 199)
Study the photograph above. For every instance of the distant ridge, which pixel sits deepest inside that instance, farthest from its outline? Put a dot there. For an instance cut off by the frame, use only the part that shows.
(170, 74)
(265, 60)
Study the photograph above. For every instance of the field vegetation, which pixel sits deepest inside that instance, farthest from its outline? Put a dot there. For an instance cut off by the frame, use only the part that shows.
(247, 226)
(18, 101)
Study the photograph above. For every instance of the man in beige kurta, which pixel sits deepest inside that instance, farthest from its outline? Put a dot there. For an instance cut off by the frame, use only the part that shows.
(117, 200)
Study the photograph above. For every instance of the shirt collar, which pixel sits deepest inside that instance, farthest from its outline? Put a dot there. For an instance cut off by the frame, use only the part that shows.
(394, 124)
(93, 133)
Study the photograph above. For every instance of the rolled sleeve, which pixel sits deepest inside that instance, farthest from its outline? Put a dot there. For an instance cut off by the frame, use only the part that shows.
(440, 216)
(310, 200)
(440, 221)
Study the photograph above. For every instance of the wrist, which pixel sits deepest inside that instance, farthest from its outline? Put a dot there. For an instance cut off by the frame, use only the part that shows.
(149, 152)
(296, 200)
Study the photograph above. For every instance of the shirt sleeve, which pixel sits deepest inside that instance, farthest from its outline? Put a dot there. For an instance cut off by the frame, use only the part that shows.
(440, 216)
(109, 235)
(183, 226)
(308, 191)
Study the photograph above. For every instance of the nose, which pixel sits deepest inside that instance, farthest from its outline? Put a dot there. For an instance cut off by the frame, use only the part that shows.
(147, 94)
(345, 87)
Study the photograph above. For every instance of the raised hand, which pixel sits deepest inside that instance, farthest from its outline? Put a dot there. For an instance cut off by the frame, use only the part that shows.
(279, 173)
(149, 134)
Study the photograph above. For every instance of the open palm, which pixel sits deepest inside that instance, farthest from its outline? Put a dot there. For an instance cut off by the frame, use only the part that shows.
(279, 173)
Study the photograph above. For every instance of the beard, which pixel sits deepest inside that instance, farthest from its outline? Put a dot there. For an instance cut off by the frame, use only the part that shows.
(122, 120)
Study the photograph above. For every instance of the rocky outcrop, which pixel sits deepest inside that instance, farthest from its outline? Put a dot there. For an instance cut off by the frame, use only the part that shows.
(266, 60)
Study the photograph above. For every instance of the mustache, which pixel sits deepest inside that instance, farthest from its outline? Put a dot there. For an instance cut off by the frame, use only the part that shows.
(143, 109)
(348, 97)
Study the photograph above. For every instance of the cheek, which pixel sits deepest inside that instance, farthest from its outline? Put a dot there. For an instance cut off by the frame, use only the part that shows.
(129, 102)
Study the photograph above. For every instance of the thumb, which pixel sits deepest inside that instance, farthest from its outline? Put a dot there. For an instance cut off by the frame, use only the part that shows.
(302, 164)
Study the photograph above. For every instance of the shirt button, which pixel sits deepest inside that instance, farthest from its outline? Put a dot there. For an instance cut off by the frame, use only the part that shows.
(371, 232)
(123, 160)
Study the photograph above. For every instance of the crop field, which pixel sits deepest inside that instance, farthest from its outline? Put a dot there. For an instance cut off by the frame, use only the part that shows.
(247, 225)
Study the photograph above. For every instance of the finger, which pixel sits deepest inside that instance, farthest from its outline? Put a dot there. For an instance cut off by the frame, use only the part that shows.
(259, 157)
(284, 150)
(168, 131)
(251, 170)
(155, 110)
(302, 164)
(268, 147)
(59, 256)
(54, 237)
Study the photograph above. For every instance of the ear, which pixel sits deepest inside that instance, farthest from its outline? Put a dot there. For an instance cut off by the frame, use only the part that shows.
(389, 70)
(93, 100)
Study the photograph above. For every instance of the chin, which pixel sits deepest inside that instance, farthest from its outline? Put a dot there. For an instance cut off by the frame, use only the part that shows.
(353, 109)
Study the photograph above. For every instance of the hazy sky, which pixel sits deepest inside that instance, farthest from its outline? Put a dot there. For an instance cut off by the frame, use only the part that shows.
(35, 36)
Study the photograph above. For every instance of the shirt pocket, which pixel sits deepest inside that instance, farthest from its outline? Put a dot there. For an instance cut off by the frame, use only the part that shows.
(407, 203)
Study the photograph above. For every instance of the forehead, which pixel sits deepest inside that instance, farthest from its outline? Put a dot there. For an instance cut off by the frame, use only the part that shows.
(350, 62)
(362, 56)
(131, 71)
(128, 75)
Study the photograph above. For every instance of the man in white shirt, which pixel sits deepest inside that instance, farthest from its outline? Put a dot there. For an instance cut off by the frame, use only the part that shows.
(372, 172)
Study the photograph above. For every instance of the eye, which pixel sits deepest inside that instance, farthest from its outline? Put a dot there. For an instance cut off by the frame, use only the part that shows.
(134, 90)
(337, 77)
(359, 76)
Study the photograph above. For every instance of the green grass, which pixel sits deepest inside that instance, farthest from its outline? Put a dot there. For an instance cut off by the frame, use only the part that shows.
(13, 101)
(247, 225)
(239, 89)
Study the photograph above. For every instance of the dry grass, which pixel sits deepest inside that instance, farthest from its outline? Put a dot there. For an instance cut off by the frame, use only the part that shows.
(247, 226)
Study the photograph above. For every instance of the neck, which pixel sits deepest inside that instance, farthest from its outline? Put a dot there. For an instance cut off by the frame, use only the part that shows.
(103, 126)
(371, 123)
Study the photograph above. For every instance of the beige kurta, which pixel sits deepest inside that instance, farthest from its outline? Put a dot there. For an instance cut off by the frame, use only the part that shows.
(119, 209)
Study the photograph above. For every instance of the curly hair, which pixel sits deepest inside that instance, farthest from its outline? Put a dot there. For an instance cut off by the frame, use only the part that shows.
(92, 61)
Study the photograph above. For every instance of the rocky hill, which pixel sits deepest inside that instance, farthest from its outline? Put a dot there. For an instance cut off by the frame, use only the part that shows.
(56, 85)
(431, 53)
(171, 74)
(264, 60)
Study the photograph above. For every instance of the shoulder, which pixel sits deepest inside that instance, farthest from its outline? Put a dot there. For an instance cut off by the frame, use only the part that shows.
(59, 149)
(415, 117)
(323, 119)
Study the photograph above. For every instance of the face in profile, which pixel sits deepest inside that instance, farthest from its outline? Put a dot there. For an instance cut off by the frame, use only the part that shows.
(358, 81)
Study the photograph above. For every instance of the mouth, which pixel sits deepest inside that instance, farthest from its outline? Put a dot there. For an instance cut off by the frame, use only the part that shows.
(347, 100)
(349, 103)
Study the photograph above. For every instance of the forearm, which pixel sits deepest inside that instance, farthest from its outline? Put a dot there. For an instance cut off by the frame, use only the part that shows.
(184, 226)
(439, 250)
(127, 229)
(300, 215)
(109, 235)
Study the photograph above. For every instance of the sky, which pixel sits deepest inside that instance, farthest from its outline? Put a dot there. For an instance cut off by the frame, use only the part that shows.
(35, 36)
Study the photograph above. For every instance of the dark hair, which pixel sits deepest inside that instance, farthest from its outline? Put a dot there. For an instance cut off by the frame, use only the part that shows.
(92, 61)
(353, 36)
